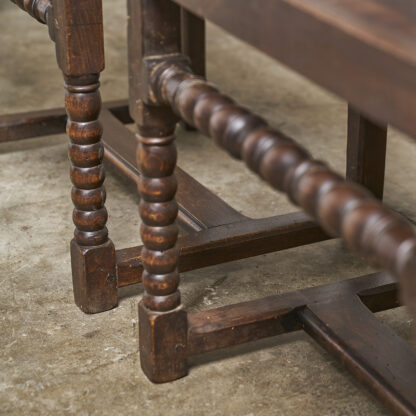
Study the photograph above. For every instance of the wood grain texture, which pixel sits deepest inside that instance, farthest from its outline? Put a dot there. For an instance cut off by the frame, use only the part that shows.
(78, 28)
(362, 51)
(370, 350)
(193, 41)
(366, 152)
(193, 45)
(339, 316)
(248, 321)
(224, 243)
(32, 124)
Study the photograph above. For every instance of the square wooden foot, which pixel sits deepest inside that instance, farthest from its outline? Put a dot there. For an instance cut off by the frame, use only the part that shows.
(163, 339)
(94, 277)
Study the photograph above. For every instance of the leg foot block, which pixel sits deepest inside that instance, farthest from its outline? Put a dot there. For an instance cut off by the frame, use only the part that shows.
(94, 277)
(163, 337)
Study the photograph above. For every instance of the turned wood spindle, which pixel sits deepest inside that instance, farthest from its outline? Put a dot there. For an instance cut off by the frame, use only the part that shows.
(156, 157)
(343, 208)
(36, 8)
(86, 153)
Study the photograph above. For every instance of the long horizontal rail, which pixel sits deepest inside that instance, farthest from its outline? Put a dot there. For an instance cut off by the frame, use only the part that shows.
(32, 124)
(248, 321)
(372, 351)
(344, 209)
(228, 242)
(369, 349)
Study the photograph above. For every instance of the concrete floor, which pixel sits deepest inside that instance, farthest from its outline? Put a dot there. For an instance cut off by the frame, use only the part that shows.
(56, 360)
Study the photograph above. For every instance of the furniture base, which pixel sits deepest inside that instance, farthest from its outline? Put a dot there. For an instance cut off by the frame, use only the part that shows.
(370, 350)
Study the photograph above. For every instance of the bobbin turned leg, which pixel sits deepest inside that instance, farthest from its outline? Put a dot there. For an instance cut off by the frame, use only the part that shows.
(154, 30)
(162, 322)
(92, 253)
(80, 53)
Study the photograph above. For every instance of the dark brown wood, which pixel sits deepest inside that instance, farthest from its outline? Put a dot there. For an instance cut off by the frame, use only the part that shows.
(94, 277)
(366, 152)
(158, 209)
(163, 338)
(32, 124)
(371, 350)
(199, 208)
(201, 205)
(193, 45)
(228, 242)
(193, 41)
(228, 236)
(342, 208)
(363, 51)
(339, 316)
(80, 55)
(46, 122)
(79, 39)
(248, 321)
(149, 35)
(162, 321)
(335, 316)
(244, 322)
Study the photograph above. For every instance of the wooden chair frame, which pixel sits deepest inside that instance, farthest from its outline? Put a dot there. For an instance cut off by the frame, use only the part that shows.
(164, 88)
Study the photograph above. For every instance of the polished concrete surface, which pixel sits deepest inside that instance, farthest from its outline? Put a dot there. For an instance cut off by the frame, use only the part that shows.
(55, 360)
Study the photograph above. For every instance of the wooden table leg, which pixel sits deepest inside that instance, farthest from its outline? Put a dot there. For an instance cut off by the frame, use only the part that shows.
(366, 152)
(80, 54)
(162, 321)
(193, 45)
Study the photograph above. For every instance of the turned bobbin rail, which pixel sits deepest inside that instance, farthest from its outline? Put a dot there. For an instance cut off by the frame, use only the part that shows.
(36, 8)
(344, 209)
